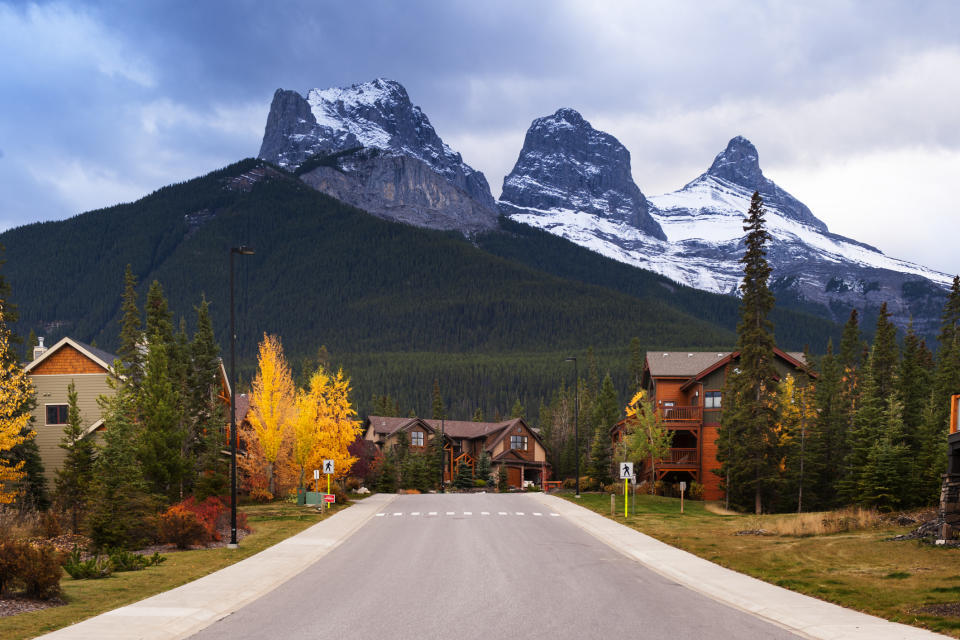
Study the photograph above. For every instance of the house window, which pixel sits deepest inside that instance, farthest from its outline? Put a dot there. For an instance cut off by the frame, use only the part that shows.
(518, 442)
(711, 400)
(416, 439)
(56, 414)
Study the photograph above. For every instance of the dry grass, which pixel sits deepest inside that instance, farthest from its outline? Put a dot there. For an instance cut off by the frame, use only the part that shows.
(18, 524)
(846, 557)
(823, 522)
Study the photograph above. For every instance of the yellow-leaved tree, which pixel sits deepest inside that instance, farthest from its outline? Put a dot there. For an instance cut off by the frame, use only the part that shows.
(338, 426)
(325, 425)
(646, 437)
(272, 405)
(796, 419)
(16, 391)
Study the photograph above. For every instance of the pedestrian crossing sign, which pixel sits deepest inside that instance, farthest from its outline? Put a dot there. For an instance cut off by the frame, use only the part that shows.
(626, 470)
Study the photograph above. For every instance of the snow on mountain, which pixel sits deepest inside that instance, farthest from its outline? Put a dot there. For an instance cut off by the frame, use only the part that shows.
(379, 136)
(567, 165)
(702, 241)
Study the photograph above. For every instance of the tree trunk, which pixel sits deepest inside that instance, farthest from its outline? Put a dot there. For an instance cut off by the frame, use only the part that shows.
(271, 485)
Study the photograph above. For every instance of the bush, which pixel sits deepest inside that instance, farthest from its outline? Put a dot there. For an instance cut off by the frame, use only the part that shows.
(352, 484)
(40, 572)
(36, 570)
(182, 527)
(479, 482)
(50, 524)
(589, 484)
(695, 491)
(129, 561)
(99, 566)
(260, 495)
(127, 523)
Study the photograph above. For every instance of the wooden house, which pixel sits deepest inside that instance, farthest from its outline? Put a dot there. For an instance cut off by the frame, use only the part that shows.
(51, 371)
(686, 389)
(511, 444)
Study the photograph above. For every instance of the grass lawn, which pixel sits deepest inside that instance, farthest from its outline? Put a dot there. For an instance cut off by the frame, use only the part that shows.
(271, 523)
(861, 570)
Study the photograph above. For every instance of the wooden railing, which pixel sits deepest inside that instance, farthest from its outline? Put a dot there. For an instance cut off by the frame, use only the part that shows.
(680, 413)
(680, 457)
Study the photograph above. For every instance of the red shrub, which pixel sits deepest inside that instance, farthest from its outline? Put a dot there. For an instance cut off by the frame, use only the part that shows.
(182, 527)
(213, 514)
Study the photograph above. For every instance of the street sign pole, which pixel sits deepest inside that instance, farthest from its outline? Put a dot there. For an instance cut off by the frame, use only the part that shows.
(626, 472)
(316, 480)
(328, 468)
(683, 488)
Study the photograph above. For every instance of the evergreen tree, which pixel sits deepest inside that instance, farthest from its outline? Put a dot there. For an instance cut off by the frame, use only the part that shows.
(75, 477)
(851, 344)
(120, 505)
(439, 411)
(606, 413)
(464, 477)
(204, 414)
(435, 458)
(828, 436)
(32, 341)
(159, 319)
(885, 355)
(867, 425)
(518, 411)
(160, 436)
(483, 469)
(886, 476)
(387, 480)
(131, 335)
(913, 383)
(748, 442)
(478, 415)
(502, 483)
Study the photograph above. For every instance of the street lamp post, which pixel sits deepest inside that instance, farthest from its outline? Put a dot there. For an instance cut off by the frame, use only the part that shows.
(443, 456)
(243, 251)
(576, 417)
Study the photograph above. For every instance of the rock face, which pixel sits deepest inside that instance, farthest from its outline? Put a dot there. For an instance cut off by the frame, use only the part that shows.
(400, 188)
(568, 166)
(378, 115)
(701, 239)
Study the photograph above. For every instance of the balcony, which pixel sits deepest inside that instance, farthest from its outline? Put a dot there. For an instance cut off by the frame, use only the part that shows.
(680, 458)
(680, 415)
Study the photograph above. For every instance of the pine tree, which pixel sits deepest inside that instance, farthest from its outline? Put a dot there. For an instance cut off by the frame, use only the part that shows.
(886, 475)
(827, 441)
(749, 448)
(131, 335)
(518, 411)
(483, 469)
(851, 344)
(121, 509)
(75, 477)
(32, 341)
(159, 319)
(478, 415)
(866, 427)
(606, 413)
(439, 412)
(464, 477)
(885, 355)
(160, 434)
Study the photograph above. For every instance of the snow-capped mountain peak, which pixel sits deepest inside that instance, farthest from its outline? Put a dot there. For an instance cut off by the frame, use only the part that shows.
(568, 166)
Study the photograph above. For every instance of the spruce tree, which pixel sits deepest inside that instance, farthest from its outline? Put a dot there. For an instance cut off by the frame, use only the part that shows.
(518, 411)
(749, 446)
(159, 324)
(866, 428)
(606, 413)
(32, 341)
(827, 440)
(160, 434)
(464, 477)
(885, 354)
(131, 335)
(75, 477)
(483, 469)
(851, 344)
(438, 412)
(478, 415)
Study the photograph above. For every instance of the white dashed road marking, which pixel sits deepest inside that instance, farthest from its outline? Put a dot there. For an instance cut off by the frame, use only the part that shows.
(502, 513)
(555, 515)
(380, 515)
(484, 513)
(416, 513)
(398, 514)
(535, 513)
(468, 513)
(432, 513)
(519, 513)
(450, 513)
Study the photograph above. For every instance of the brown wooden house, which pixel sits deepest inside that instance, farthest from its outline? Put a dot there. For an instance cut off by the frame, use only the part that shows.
(511, 444)
(686, 389)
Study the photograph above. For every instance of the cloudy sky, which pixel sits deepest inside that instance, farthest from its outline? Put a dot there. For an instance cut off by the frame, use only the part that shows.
(852, 105)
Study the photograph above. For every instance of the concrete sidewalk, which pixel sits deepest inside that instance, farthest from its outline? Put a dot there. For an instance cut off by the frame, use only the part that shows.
(181, 612)
(806, 616)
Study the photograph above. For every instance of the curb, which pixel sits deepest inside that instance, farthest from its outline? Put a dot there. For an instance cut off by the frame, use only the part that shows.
(182, 612)
(801, 614)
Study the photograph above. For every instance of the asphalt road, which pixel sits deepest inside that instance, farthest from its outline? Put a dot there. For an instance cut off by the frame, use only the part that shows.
(466, 566)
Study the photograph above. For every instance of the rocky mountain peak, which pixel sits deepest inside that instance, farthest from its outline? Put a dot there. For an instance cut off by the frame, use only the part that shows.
(738, 163)
(567, 165)
(376, 115)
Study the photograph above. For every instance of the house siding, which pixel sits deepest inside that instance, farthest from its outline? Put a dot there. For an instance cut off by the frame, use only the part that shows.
(67, 360)
(52, 389)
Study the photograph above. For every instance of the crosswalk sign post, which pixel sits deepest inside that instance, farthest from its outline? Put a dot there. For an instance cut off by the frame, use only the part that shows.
(328, 469)
(626, 474)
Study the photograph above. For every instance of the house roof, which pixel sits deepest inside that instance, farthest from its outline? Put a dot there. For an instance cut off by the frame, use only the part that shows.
(388, 425)
(466, 429)
(103, 358)
(682, 364)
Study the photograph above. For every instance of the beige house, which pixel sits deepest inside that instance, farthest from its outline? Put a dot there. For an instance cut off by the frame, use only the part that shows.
(511, 444)
(51, 371)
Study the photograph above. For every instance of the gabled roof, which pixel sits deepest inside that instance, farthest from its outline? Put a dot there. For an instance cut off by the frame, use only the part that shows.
(103, 358)
(681, 364)
(387, 425)
(794, 358)
(466, 429)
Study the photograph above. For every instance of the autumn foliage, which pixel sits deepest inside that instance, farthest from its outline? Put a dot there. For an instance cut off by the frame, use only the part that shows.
(16, 391)
(190, 522)
(290, 432)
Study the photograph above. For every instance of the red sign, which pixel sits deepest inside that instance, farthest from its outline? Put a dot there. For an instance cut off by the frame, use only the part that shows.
(329, 497)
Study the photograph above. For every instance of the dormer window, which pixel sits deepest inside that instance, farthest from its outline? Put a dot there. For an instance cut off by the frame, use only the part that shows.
(416, 439)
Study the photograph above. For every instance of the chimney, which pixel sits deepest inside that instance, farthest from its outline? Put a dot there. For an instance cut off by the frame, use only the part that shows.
(39, 349)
